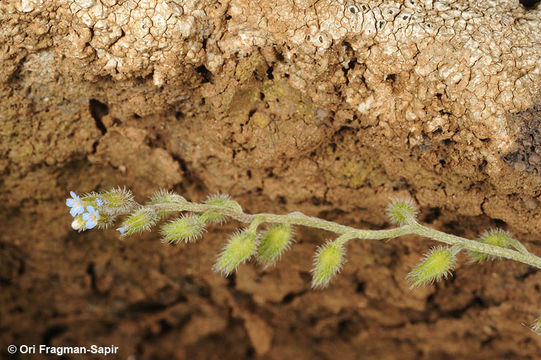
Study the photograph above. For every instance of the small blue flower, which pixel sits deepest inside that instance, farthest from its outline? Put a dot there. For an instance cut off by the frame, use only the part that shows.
(122, 230)
(91, 217)
(75, 204)
(100, 201)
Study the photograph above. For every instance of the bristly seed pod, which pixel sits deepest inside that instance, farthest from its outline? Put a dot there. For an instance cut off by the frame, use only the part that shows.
(327, 263)
(402, 211)
(141, 220)
(494, 237)
(238, 250)
(166, 197)
(222, 200)
(115, 202)
(437, 264)
(106, 220)
(273, 243)
(187, 228)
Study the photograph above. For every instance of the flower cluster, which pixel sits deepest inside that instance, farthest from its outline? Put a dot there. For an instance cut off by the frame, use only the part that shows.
(91, 210)
(83, 219)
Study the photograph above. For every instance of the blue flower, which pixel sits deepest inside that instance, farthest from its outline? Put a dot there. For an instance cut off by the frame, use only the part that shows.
(100, 201)
(75, 204)
(122, 230)
(91, 217)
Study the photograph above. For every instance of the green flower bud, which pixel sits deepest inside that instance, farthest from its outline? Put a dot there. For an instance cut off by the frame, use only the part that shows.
(166, 197)
(436, 264)
(494, 237)
(222, 200)
(327, 263)
(187, 228)
(273, 243)
(91, 199)
(115, 202)
(141, 220)
(106, 220)
(402, 211)
(238, 250)
(536, 326)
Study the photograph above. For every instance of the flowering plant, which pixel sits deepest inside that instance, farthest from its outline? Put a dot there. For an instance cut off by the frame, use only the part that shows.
(102, 209)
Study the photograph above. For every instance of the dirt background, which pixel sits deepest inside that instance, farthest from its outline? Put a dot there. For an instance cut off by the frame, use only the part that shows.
(326, 107)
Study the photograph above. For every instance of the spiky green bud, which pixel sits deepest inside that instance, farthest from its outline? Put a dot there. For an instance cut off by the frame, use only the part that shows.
(165, 197)
(437, 264)
(327, 263)
(141, 220)
(222, 200)
(91, 199)
(273, 243)
(187, 228)
(496, 237)
(402, 211)
(238, 250)
(115, 202)
(536, 326)
(106, 219)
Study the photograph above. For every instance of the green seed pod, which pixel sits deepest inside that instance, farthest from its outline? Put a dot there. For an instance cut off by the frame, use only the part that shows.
(91, 199)
(273, 243)
(327, 263)
(115, 202)
(187, 228)
(238, 250)
(437, 264)
(494, 237)
(106, 220)
(141, 220)
(222, 200)
(402, 211)
(165, 197)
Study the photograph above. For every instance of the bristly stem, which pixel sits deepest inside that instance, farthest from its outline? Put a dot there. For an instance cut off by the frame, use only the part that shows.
(412, 227)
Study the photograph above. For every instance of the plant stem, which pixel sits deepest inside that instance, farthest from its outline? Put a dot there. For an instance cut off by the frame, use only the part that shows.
(297, 218)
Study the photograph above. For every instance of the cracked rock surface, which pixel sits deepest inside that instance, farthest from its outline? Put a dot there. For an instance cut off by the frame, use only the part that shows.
(326, 107)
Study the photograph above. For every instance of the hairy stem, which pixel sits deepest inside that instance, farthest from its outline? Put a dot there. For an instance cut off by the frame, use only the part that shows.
(347, 233)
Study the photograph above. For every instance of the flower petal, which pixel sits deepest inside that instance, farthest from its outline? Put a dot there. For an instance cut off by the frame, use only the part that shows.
(90, 224)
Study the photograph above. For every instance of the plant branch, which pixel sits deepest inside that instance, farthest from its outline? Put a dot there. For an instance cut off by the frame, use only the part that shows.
(298, 218)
